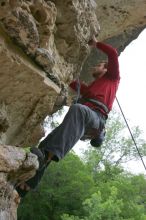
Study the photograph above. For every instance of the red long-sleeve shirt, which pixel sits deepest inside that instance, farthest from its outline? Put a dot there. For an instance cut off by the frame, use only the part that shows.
(103, 89)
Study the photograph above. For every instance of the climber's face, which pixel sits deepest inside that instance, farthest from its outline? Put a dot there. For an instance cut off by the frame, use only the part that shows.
(99, 70)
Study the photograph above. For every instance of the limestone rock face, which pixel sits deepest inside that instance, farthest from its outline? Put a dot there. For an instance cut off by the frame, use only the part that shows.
(15, 166)
(40, 41)
(122, 16)
(26, 96)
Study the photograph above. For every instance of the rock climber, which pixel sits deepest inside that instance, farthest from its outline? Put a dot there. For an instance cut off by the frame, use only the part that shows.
(86, 118)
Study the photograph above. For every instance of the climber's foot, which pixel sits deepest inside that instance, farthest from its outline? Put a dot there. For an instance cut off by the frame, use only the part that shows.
(42, 156)
(44, 161)
(23, 189)
(32, 183)
(24, 186)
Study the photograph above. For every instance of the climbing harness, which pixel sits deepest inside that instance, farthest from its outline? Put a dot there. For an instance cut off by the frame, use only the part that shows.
(96, 102)
(131, 134)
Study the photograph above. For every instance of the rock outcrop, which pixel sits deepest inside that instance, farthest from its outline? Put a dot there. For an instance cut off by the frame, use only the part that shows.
(40, 41)
(43, 46)
(15, 166)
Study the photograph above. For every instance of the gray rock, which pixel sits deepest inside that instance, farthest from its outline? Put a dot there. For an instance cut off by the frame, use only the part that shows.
(21, 27)
(16, 166)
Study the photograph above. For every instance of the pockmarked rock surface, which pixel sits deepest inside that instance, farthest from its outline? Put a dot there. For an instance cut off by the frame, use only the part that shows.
(16, 166)
(43, 46)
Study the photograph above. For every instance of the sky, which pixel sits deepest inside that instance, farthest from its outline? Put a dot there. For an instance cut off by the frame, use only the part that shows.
(131, 93)
(132, 90)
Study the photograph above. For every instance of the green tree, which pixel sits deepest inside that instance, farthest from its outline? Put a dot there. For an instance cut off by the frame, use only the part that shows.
(118, 146)
(63, 189)
(70, 217)
(118, 199)
(109, 209)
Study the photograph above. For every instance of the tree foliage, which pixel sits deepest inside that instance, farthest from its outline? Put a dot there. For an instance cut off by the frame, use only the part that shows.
(69, 191)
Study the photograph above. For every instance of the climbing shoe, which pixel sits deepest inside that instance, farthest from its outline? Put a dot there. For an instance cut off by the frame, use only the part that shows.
(32, 183)
(42, 156)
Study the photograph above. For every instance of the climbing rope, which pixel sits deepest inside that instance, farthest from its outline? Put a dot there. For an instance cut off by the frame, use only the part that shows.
(78, 87)
(131, 134)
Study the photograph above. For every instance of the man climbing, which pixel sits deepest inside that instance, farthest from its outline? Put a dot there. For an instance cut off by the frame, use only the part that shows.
(86, 118)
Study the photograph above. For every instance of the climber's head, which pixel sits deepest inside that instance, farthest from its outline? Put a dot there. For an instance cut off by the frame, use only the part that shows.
(99, 70)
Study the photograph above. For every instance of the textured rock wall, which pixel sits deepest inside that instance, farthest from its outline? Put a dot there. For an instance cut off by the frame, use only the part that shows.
(39, 41)
(15, 166)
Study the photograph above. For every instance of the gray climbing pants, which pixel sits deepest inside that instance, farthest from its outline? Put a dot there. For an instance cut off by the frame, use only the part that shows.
(78, 119)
